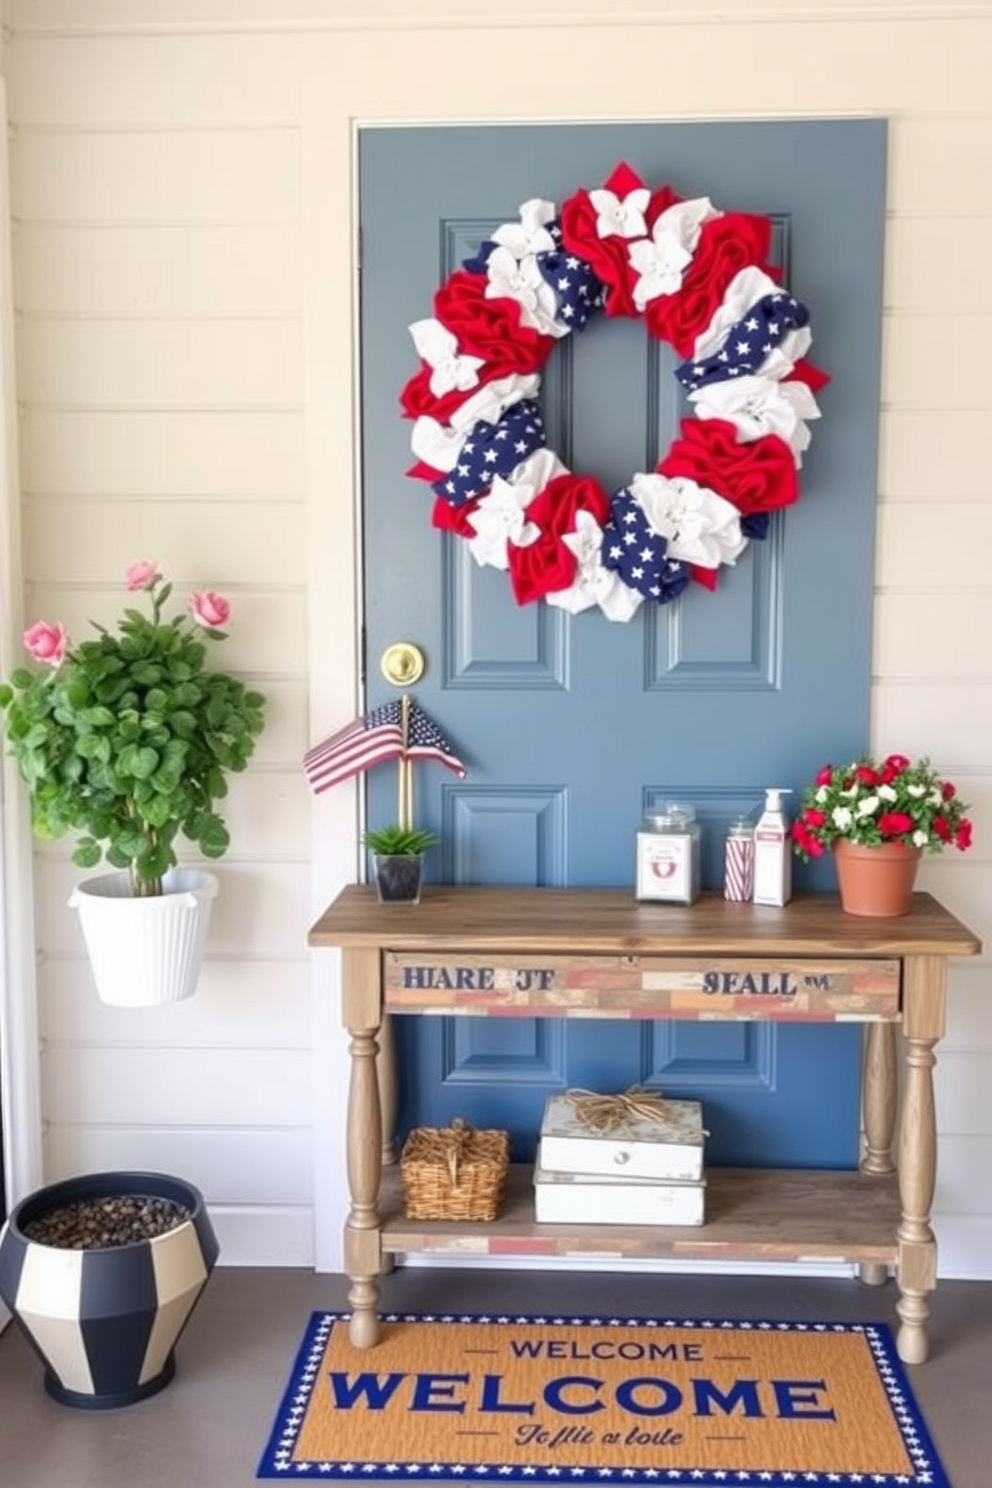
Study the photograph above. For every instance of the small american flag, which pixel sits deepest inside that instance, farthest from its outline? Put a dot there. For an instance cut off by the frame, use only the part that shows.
(372, 740)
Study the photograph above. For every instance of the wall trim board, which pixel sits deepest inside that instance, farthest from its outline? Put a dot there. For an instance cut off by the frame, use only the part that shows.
(112, 18)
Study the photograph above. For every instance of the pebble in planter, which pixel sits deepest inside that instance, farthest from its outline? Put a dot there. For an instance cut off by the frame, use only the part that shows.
(102, 1273)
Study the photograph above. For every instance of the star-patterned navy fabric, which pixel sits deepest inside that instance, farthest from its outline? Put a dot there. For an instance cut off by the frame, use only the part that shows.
(633, 549)
(579, 291)
(747, 343)
(491, 450)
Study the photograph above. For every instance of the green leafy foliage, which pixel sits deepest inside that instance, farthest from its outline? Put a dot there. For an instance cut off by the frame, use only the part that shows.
(395, 841)
(127, 739)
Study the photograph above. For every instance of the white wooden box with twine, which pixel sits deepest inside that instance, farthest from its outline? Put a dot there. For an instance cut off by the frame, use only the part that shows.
(636, 1134)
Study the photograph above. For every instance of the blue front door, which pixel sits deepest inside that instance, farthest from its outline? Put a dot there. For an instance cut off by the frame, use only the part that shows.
(572, 726)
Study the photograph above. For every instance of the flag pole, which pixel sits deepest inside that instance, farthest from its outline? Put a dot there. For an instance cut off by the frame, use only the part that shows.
(405, 802)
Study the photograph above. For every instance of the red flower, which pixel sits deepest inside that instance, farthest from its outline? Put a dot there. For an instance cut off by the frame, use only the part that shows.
(813, 817)
(887, 774)
(417, 398)
(963, 838)
(949, 790)
(609, 256)
(484, 328)
(826, 775)
(899, 762)
(814, 377)
(726, 245)
(866, 775)
(755, 477)
(547, 564)
(454, 518)
(943, 829)
(804, 839)
(894, 823)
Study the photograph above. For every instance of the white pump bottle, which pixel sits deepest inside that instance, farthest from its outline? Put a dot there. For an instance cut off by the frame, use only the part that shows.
(773, 851)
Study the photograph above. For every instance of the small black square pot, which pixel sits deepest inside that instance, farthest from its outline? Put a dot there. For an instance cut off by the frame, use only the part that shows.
(105, 1321)
(398, 877)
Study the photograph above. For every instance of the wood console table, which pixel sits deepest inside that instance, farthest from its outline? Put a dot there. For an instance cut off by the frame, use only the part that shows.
(598, 952)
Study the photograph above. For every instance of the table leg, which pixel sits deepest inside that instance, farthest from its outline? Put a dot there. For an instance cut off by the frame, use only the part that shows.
(924, 1010)
(389, 1094)
(878, 1107)
(878, 1100)
(917, 1176)
(362, 1239)
(388, 1088)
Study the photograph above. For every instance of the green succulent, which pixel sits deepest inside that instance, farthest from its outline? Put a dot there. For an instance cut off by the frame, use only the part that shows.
(395, 841)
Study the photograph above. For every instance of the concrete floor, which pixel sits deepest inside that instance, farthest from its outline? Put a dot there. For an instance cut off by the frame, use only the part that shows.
(208, 1428)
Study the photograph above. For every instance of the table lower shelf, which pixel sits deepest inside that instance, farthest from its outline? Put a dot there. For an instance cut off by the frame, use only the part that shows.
(770, 1214)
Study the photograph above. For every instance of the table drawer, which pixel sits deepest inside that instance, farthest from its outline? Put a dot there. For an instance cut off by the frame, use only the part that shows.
(799, 989)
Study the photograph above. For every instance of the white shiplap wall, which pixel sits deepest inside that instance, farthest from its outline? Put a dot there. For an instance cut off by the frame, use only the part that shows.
(183, 248)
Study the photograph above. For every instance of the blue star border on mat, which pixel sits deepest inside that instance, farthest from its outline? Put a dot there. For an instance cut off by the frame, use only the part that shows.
(277, 1459)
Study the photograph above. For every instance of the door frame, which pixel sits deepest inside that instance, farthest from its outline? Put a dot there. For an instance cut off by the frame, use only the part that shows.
(20, 1099)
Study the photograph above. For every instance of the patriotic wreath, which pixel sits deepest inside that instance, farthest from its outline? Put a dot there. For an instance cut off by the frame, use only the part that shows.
(698, 278)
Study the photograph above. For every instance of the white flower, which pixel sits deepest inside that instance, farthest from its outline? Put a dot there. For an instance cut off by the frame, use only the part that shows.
(529, 235)
(822, 794)
(920, 838)
(616, 218)
(842, 817)
(868, 806)
(936, 798)
(499, 520)
(700, 526)
(585, 542)
(887, 793)
(661, 260)
(757, 406)
(439, 349)
(659, 263)
(511, 278)
(916, 790)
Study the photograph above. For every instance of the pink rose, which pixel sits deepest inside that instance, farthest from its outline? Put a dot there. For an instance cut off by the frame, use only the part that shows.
(46, 643)
(210, 609)
(142, 575)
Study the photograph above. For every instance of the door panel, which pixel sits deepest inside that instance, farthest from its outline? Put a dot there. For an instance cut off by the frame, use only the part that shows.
(571, 727)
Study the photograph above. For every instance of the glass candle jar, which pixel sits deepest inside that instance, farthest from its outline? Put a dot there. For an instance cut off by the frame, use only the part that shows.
(668, 854)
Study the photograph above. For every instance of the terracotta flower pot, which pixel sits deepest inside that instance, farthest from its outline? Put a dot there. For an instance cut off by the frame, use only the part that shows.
(876, 880)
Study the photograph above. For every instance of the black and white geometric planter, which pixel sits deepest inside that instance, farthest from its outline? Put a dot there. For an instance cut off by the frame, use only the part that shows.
(105, 1321)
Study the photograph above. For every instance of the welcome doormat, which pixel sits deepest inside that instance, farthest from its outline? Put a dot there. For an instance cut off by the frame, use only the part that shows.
(601, 1400)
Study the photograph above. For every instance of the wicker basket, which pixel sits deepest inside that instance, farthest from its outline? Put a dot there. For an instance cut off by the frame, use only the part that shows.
(454, 1172)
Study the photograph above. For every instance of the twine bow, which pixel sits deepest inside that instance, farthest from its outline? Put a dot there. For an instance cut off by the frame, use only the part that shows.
(610, 1113)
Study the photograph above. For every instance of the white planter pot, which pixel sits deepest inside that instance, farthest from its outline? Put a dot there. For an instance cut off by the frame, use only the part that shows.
(145, 951)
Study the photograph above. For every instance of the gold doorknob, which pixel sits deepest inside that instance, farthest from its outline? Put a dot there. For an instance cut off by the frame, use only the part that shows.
(402, 663)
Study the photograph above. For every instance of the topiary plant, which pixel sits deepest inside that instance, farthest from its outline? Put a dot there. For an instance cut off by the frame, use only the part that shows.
(127, 739)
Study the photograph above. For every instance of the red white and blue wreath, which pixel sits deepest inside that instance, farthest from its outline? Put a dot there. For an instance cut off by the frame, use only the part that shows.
(699, 279)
